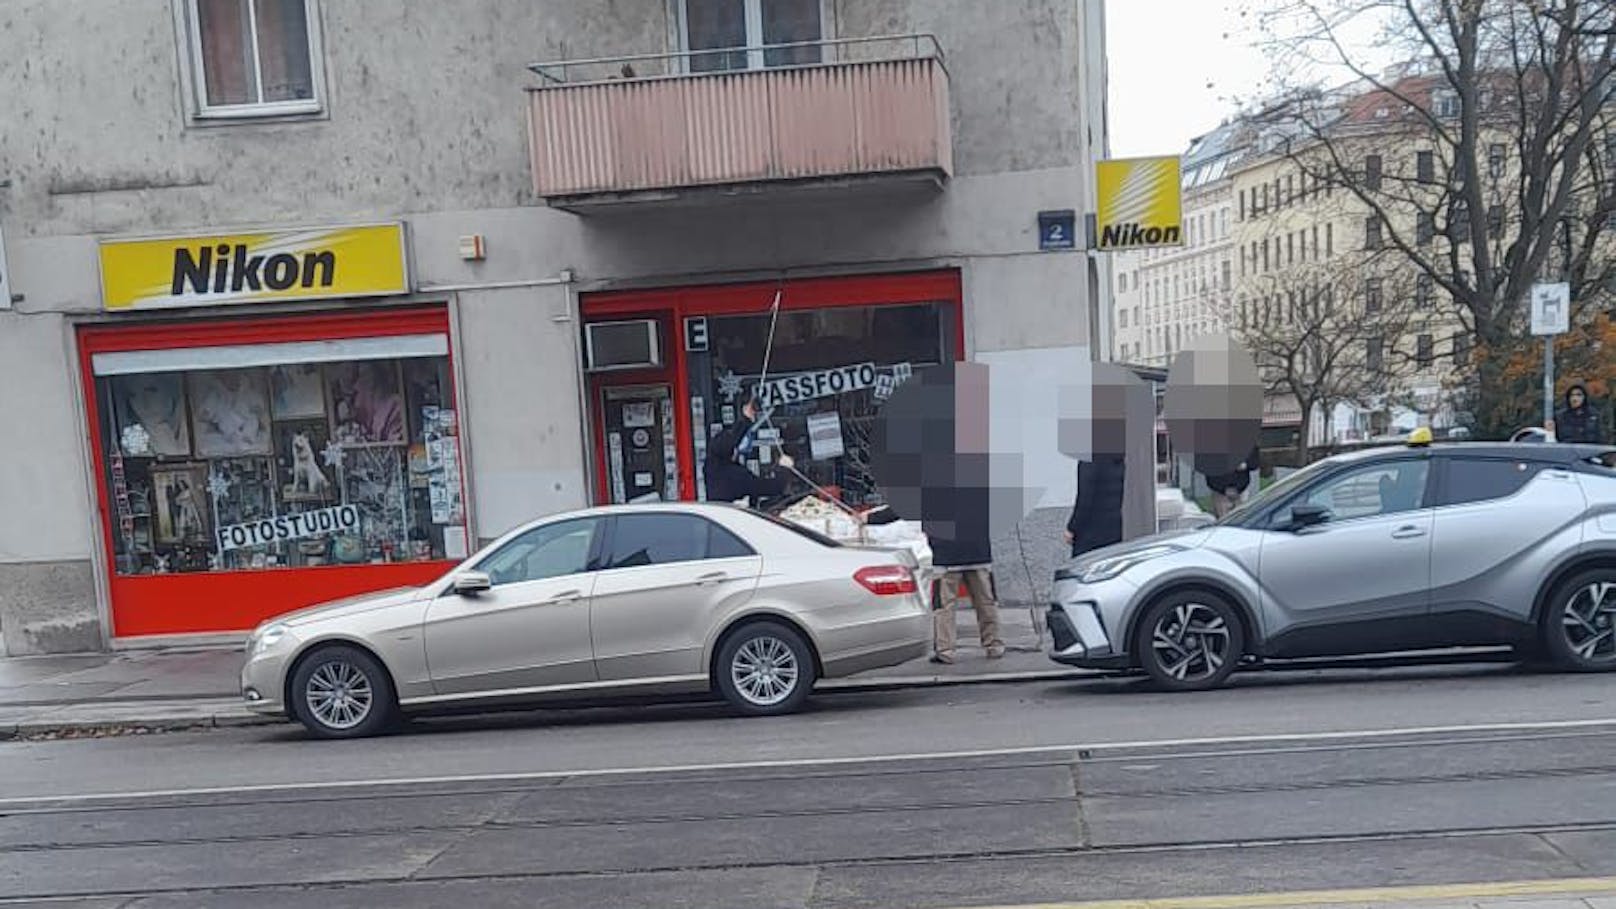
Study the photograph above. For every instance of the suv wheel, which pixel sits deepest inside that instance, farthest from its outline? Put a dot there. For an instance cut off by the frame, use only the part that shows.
(1190, 641)
(765, 669)
(340, 692)
(1579, 625)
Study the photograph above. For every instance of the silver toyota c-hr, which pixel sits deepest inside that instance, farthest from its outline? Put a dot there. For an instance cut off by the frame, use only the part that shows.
(1387, 550)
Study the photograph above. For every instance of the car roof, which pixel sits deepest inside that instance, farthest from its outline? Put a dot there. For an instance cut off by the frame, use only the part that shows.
(1553, 452)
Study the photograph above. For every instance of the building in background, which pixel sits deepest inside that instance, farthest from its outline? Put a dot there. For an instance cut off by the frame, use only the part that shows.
(313, 298)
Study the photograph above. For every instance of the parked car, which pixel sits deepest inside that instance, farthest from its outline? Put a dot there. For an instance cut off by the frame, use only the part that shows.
(644, 600)
(1412, 548)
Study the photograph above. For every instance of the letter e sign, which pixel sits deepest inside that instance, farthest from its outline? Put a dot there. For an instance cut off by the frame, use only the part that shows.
(696, 334)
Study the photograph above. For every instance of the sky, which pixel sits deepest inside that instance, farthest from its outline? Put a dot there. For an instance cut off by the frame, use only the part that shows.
(1176, 70)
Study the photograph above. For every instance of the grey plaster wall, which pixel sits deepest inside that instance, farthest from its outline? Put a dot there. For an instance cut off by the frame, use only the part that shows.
(48, 607)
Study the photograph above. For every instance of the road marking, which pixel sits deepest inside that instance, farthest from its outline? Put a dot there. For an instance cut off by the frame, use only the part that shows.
(1409, 894)
(877, 759)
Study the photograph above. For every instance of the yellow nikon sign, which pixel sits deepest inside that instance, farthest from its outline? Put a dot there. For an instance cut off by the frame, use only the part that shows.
(1139, 203)
(308, 264)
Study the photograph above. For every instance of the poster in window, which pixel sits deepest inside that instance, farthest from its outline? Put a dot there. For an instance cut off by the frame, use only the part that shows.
(230, 411)
(366, 402)
(242, 490)
(373, 479)
(297, 391)
(299, 454)
(180, 500)
(639, 414)
(151, 415)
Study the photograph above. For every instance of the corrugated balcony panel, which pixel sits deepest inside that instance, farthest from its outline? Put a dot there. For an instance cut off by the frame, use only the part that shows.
(667, 133)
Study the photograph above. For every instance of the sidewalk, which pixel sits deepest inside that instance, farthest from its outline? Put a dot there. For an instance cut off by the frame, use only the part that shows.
(178, 688)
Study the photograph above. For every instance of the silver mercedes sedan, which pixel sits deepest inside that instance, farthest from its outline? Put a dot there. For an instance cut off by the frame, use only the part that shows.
(623, 600)
(1390, 550)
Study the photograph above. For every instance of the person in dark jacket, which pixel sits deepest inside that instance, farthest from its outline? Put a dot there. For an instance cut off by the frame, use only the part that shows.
(963, 549)
(728, 479)
(1227, 488)
(1096, 519)
(1578, 421)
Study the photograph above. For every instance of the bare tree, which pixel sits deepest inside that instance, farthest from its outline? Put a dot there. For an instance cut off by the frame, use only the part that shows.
(1346, 331)
(1486, 161)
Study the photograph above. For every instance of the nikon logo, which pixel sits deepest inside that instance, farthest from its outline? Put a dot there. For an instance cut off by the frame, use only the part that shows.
(1131, 234)
(228, 268)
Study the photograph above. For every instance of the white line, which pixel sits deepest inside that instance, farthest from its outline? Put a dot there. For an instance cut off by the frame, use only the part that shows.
(586, 773)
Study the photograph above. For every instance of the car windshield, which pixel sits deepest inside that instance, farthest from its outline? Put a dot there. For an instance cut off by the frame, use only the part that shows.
(1273, 493)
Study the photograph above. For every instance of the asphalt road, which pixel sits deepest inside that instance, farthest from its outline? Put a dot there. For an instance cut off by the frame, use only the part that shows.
(923, 798)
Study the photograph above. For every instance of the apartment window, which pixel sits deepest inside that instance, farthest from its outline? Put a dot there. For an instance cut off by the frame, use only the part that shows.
(1610, 149)
(1122, 318)
(1315, 242)
(1374, 354)
(1223, 223)
(1425, 228)
(1329, 240)
(1290, 307)
(1495, 221)
(1242, 214)
(1265, 262)
(1371, 172)
(1372, 291)
(1422, 350)
(1227, 276)
(1136, 321)
(254, 57)
(1446, 105)
(734, 33)
(1424, 290)
(1425, 166)
(1264, 206)
(1495, 160)
(1461, 349)
(1329, 300)
(1290, 189)
(1459, 222)
(1372, 239)
(1290, 249)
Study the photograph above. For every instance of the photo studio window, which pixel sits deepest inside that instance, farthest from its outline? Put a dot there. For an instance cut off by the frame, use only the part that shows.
(254, 58)
(747, 34)
(289, 455)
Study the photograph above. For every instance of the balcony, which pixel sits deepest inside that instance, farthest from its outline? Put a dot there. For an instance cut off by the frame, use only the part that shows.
(648, 128)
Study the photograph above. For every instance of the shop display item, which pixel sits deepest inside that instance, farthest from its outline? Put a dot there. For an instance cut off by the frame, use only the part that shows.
(150, 413)
(230, 412)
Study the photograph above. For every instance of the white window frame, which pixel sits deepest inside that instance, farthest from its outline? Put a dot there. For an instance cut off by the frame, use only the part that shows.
(189, 24)
(680, 38)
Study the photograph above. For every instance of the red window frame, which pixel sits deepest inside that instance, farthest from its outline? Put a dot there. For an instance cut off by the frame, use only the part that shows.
(226, 602)
(672, 305)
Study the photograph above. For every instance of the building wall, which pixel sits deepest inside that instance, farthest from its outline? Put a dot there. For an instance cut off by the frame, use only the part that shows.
(424, 122)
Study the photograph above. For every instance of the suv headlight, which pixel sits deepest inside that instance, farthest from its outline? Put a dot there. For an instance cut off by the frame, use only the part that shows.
(265, 638)
(1108, 568)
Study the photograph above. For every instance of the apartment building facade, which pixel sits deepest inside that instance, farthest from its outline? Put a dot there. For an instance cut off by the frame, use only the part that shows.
(312, 297)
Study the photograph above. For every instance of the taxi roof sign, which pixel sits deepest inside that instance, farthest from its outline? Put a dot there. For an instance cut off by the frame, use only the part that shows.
(1420, 437)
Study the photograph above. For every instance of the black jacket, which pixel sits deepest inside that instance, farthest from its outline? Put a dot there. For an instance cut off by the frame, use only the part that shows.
(1096, 519)
(1579, 424)
(728, 480)
(1238, 479)
(957, 528)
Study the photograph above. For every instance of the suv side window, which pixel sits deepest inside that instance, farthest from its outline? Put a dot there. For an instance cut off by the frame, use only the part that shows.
(551, 551)
(1369, 490)
(1482, 479)
(664, 539)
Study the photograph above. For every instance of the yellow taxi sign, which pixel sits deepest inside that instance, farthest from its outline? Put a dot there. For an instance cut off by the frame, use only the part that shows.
(274, 265)
(1420, 437)
(1139, 203)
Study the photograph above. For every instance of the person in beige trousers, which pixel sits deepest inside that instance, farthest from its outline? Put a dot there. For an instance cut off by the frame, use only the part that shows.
(978, 582)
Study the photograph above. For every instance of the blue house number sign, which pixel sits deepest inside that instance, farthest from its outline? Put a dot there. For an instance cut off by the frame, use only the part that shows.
(1057, 230)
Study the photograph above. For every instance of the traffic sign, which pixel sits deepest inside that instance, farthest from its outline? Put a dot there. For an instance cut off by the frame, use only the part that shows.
(1551, 309)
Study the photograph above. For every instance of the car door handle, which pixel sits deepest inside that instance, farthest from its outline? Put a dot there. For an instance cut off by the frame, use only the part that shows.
(1408, 532)
(713, 578)
(570, 596)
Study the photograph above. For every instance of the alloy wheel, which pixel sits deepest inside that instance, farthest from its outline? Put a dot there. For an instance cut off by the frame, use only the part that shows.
(339, 695)
(1191, 642)
(1589, 624)
(765, 670)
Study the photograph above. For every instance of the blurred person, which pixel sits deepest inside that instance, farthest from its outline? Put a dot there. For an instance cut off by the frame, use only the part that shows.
(728, 479)
(1578, 421)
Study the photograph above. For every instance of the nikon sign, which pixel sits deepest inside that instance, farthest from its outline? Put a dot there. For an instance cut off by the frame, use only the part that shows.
(1139, 203)
(311, 264)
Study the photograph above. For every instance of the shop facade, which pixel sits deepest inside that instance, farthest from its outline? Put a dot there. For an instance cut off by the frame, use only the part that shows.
(246, 465)
(667, 368)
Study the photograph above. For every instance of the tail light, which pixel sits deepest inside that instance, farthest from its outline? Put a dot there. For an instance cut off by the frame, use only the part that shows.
(887, 580)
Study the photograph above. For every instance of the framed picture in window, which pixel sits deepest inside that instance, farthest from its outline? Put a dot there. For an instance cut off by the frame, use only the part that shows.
(297, 392)
(367, 404)
(230, 412)
(180, 498)
(302, 462)
(151, 415)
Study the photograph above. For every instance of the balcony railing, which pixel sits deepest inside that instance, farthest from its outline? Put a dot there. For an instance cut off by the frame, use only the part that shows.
(660, 122)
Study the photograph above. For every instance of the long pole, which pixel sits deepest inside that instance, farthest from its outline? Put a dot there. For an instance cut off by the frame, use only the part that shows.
(1548, 380)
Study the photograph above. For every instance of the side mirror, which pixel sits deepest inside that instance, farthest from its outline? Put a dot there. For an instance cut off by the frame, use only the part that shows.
(471, 583)
(1308, 515)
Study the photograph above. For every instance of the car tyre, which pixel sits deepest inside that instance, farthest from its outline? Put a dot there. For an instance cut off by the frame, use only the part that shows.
(1190, 641)
(765, 669)
(342, 692)
(1579, 622)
